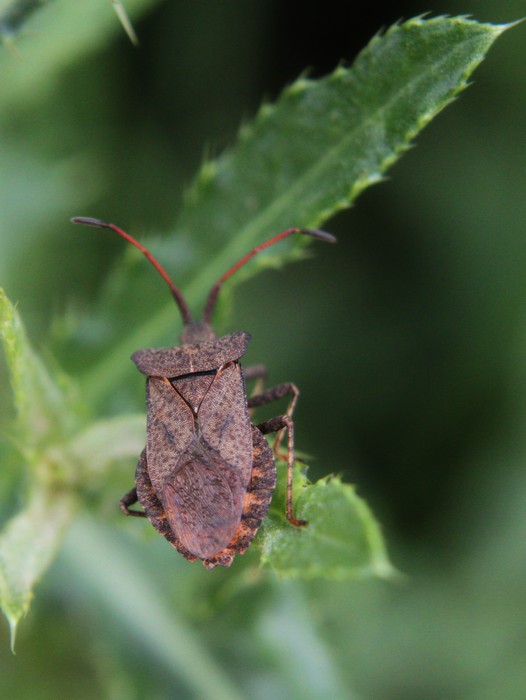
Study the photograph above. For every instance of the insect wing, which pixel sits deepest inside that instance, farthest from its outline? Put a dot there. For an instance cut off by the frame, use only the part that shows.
(170, 431)
(200, 501)
(199, 455)
(224, 423)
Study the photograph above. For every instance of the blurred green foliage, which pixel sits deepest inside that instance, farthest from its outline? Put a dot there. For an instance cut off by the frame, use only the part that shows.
(409, 355)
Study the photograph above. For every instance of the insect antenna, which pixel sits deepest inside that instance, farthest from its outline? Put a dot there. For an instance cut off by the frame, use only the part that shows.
(176, 293)
(212, 297)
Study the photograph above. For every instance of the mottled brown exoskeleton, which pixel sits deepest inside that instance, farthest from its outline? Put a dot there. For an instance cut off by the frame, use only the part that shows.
(206, 476)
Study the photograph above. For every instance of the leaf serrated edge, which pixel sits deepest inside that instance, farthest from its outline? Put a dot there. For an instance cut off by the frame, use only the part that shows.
(380, 567)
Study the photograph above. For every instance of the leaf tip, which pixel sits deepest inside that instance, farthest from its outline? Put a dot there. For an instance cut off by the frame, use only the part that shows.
(13, 615)
(299, 86)
(383, 569)
(13, 625)
(501, 28)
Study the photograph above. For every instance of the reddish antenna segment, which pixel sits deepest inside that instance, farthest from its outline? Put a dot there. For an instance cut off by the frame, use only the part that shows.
(176, 293)
(212, 297)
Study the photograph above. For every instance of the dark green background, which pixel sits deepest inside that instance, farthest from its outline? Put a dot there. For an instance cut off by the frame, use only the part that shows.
(407, 341)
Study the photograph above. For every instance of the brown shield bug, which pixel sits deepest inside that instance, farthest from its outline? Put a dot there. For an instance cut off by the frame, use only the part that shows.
(206, 476)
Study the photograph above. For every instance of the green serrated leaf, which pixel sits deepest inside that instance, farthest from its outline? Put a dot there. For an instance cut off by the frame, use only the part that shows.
(45, 418)
(43, 408)
(324, 141)
(341, 541)
(27, 546)
(311, 154)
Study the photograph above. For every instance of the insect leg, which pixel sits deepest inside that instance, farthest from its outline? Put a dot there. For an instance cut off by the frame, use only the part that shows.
(277, 392)
(129, 499)
(278, 424)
